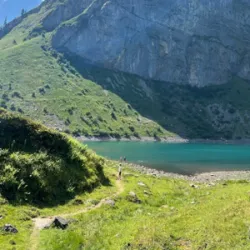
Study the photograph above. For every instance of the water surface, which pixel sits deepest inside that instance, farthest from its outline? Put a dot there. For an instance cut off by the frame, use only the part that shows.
(188, 158)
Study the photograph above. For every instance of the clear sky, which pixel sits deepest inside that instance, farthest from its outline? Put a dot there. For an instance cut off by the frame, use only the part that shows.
(12, 8)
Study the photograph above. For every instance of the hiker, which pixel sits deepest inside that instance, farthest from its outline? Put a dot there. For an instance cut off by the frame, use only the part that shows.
(120, 172)
(121, 159)
(124, 159)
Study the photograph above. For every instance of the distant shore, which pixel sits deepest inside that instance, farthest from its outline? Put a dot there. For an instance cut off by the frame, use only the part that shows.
(141, 139)
(164, 139)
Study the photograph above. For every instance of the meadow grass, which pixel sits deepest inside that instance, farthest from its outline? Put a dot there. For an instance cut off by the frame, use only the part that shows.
(172, 215)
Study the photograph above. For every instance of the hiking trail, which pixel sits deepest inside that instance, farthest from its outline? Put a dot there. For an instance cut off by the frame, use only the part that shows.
(41, 223)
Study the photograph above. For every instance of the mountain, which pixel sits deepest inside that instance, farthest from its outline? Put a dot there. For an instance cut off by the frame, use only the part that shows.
(11, 9)
(41, 165)
(190, 42)
(131, 68)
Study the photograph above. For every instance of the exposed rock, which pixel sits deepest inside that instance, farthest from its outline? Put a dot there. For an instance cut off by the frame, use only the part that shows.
(9, 228)
(110, 202)
(133, 197)
(60, 222)
(1, 217)
(147, 192)
(194, 186)
(211, 184)
(195, 42)
(141, 184)
(132, 194)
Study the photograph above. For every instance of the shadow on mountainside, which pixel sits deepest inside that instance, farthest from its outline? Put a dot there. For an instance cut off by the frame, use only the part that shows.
(181, 109)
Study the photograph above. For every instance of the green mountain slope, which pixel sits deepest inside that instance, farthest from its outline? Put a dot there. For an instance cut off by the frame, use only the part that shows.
(40, 83)
(64, 92)
(43, 166)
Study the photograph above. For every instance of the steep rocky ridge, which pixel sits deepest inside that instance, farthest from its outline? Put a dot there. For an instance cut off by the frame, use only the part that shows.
(195, 42)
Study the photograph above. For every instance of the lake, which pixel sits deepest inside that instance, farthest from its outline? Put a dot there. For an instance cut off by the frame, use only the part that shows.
(183, 158)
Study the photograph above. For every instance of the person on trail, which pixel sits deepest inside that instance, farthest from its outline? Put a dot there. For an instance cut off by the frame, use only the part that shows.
(120, 172)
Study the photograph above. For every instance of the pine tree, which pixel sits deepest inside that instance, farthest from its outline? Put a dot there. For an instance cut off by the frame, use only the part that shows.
(5, 22)
(23, 12)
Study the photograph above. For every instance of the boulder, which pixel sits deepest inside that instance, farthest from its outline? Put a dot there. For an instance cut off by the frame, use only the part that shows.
(9, 229)
(60, 222)
(146, 192)
(141, 184)
(133, 197)
(110, 202)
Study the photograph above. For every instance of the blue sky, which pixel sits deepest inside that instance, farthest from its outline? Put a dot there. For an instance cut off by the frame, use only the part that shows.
(12, 8)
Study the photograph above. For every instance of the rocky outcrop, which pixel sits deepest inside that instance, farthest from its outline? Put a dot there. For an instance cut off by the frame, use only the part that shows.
(194, 42)
(63, 12)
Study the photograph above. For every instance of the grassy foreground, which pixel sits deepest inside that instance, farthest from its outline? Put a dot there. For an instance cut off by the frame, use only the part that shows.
(172, 215)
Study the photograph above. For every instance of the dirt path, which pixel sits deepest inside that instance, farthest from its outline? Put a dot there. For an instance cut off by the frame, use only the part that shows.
(41, 223)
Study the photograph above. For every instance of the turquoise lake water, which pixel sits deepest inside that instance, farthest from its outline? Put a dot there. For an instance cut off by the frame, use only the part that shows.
(187, 158)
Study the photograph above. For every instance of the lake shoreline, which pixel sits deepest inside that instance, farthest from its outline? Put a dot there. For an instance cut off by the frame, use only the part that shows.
(163, 140)
(135, 139)
(206, 177)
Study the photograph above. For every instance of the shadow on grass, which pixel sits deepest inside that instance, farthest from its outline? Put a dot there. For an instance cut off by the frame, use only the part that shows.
(57, 201)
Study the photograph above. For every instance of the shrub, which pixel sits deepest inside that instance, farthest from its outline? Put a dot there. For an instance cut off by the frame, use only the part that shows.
(12, 107)
(20, 110)
(132, 129)
(17, 95)
(113, 116)
(42, 91)
(41, 165)
(5, 97)
(67, 122)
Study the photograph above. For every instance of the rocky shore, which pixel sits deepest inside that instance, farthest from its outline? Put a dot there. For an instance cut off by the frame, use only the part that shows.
(164, 139)
(141, 139)
(210, 177)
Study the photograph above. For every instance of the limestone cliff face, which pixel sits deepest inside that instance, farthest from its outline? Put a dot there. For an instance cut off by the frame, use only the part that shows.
(197, 42)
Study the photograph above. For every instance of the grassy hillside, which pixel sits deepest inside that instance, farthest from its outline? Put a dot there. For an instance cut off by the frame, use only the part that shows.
(171, 215)
(40, 165)
(214, 112)
(40, 83)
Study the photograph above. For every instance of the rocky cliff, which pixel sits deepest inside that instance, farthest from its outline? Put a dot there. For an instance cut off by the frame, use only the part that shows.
(182, 41)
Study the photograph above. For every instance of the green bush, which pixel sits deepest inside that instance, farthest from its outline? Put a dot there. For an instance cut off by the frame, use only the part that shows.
(41, 165)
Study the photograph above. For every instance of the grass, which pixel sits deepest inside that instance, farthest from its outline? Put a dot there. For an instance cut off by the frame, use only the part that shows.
(51, 91)
(39, 165)
(172, 215)
(44, 173)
